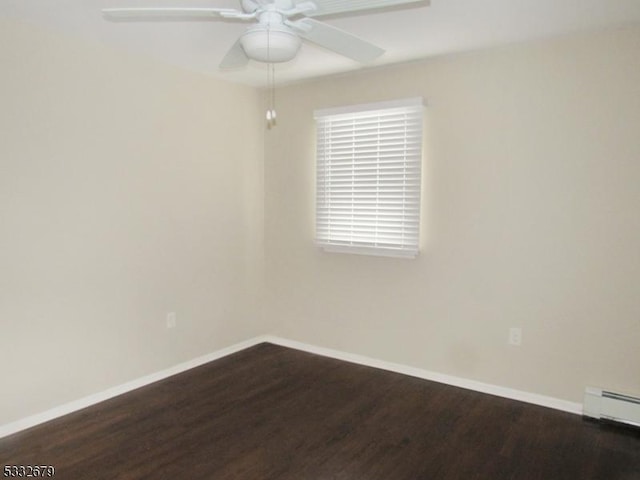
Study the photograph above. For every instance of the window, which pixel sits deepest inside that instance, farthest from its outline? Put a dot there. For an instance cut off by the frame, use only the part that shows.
(368, 178)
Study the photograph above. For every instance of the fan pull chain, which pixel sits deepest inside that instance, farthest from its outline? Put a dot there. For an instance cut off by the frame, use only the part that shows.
(271, 112)
(271, 85)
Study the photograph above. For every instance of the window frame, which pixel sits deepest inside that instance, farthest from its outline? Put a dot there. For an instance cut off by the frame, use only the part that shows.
(361, 240)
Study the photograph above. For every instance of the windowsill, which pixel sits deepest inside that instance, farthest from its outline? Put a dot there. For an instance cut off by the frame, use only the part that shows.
(371, 251)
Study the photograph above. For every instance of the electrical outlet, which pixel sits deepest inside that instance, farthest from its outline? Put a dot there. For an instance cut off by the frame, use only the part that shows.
(515, 336)
(171, 320)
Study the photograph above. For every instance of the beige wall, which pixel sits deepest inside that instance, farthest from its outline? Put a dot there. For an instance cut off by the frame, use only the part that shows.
(127, 190)
(531, 218)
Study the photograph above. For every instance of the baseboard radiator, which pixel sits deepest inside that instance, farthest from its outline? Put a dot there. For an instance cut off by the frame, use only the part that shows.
(603, 405)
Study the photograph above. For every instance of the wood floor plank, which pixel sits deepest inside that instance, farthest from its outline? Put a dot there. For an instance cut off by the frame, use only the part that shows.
(273, 413)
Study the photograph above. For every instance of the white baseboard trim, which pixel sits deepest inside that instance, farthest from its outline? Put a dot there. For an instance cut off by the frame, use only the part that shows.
(87, 401)
(510, 393)
(59, 411)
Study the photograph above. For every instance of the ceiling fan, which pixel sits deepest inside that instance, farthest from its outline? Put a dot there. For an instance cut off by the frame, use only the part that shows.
(280, 26)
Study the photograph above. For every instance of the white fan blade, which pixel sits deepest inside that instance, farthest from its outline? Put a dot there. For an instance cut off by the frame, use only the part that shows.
(337, 40)
(329, 7)
(235, 58)
(130, 13)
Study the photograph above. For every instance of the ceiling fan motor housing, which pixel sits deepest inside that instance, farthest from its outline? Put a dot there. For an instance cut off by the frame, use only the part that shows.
(270, 43)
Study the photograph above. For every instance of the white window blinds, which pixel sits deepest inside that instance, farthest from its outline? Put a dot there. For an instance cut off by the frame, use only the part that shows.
(368, 178)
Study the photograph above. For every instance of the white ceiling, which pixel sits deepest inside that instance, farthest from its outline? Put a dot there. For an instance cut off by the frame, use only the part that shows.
(406, 34)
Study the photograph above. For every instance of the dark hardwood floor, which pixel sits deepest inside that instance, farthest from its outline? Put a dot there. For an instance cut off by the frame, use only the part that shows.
(274, 413)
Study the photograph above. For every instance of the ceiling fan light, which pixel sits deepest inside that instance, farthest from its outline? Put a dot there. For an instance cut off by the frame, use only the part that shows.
(273, 45)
